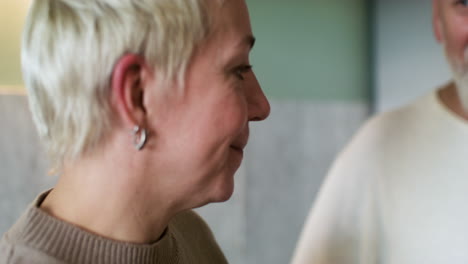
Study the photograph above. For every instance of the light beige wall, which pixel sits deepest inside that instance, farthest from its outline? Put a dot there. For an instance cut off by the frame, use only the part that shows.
(12, 14)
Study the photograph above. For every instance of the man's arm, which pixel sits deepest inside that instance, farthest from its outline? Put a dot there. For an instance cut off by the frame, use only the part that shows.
(342, 226)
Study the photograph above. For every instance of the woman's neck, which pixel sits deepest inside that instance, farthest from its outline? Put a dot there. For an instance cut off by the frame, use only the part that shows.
(111, 201)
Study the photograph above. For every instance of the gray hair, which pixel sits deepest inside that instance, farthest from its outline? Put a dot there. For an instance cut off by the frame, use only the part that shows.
(69, 50)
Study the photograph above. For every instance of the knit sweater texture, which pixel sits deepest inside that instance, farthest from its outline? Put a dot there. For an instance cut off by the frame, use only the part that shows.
(397, 194)
(38, 238)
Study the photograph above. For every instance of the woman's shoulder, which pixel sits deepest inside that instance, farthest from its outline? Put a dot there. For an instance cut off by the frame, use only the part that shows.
(12, 252)
(194, 235)
(189, 221)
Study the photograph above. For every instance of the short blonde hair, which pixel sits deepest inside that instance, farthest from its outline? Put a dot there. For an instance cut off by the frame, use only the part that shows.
(69, 50)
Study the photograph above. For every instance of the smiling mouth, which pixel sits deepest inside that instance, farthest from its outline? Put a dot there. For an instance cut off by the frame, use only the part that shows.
(241, 142)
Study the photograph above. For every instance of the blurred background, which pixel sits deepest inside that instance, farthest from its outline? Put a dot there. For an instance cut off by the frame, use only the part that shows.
(325, 65)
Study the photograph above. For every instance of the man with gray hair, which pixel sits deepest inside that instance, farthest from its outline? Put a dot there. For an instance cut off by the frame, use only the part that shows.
(397, 193)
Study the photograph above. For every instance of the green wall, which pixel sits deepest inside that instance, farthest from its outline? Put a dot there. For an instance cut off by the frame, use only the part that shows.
(306, 49)
(312, 49)
(12, 14)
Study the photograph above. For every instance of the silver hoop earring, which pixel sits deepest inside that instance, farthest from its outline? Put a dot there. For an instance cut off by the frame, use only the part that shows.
(139, 137)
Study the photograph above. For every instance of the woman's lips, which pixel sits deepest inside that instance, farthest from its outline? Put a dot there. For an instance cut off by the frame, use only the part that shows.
(241, 141)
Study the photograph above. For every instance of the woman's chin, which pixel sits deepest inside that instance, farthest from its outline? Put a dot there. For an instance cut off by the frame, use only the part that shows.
(223, 197)
(223, 191)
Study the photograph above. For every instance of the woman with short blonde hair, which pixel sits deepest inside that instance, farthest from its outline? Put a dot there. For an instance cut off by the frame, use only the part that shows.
(144, 108)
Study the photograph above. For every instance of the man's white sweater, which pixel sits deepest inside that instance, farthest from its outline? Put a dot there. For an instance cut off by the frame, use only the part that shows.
(397, 194)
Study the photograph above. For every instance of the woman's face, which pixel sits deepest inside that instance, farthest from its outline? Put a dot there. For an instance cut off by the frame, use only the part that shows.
(204, 130)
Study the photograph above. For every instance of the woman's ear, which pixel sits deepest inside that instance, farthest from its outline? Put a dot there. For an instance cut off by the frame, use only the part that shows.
(128, 88)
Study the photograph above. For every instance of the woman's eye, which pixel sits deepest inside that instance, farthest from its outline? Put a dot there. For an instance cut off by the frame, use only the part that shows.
(241, 70)
(462, 2)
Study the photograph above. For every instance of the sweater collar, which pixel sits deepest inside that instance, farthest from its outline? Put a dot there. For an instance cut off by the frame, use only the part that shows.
(72, 244)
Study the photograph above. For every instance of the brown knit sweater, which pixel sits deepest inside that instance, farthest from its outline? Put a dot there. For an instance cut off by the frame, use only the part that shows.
(38, 238)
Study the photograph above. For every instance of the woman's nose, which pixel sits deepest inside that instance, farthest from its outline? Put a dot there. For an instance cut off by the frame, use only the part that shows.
(259, 107)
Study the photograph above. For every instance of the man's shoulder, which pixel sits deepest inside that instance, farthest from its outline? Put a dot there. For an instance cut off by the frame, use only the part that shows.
(396, 122)
(387, 131)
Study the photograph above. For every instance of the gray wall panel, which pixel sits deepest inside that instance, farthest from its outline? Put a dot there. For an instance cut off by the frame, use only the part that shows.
(288, 156)
(22, 161)
(408, 60)
(228, 220)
